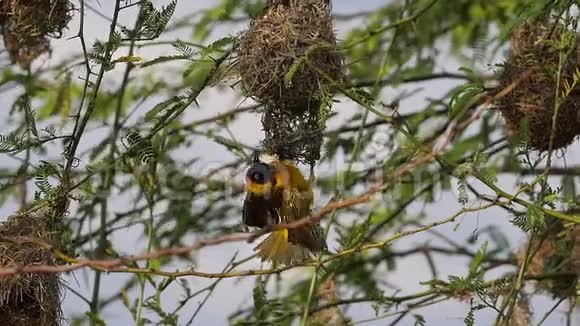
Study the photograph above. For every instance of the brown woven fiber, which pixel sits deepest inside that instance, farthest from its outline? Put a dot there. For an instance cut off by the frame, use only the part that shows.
(27, 24)
(555, 250)
(29, 298)
(288, 62)
(534, 48)
(291, 34)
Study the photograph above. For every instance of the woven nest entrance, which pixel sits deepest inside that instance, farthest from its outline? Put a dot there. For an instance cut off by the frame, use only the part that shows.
(26, 26)
(291, 136)
(534, 51)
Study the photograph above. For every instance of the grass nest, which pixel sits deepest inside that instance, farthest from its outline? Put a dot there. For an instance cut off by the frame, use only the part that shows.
(534, 53)
(555, 251)
(294, 136)
(288, 54)
(27, 24)
(26, 298)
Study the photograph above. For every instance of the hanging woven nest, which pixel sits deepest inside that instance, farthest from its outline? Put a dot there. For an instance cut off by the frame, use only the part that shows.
(30, 298)
(522, 314)
(556, 250)
(534, 54)
(288, 54)
(294, 136)
(288, 62)
(27, 24)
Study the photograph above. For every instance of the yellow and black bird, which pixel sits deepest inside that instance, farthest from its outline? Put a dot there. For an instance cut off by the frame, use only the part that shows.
(259, 208)
(277, 192)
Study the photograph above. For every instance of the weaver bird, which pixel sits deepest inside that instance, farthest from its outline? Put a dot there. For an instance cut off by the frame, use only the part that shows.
(277, 192)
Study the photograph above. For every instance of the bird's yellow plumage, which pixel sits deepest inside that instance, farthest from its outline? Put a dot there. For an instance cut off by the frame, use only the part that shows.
(289, 199)
(259, 189)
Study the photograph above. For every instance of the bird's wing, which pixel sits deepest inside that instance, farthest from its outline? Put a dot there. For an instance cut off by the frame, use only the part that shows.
(257, 212)
(295, 207)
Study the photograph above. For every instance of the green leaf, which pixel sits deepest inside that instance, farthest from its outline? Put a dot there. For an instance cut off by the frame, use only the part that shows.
(261, 308)
(419, 320)
(45, 171)
(163, 59)
(259, 295)
(151, 22)
(478, 259)
(470, 318)
(12, 143)
(379, 215)
(199, 69)
(459, 150)
(488, 174)
(253, 8)
(463, 195)
(293, 70)
(198, 73)
(95, 319)
(521, 137)
(155, 264)
(151, 114)
(535, 218)
(107, 103)
(6, 192)
(463, 98)
(222, 12)
(185, 49)
(30, 121)
(407, 189)
(140, 147)
(217, 45)
(127, 59)
(569, 188)
(58, 99)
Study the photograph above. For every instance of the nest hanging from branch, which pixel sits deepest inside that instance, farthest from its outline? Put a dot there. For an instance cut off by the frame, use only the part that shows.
(534, 52)
(291, 136)
(30, 298)
(289, 53)
(556, 250)
(27, 24)
(288, 62)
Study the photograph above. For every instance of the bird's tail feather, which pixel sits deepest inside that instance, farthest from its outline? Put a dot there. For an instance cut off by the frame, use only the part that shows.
(277, 249)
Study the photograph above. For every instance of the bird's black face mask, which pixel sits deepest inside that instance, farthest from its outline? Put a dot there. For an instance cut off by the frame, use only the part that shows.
(258, 208)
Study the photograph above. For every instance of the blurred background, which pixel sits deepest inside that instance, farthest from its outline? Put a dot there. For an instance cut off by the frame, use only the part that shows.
(437, 56)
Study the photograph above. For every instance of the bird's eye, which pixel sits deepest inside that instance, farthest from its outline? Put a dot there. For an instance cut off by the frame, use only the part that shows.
(258, 177)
